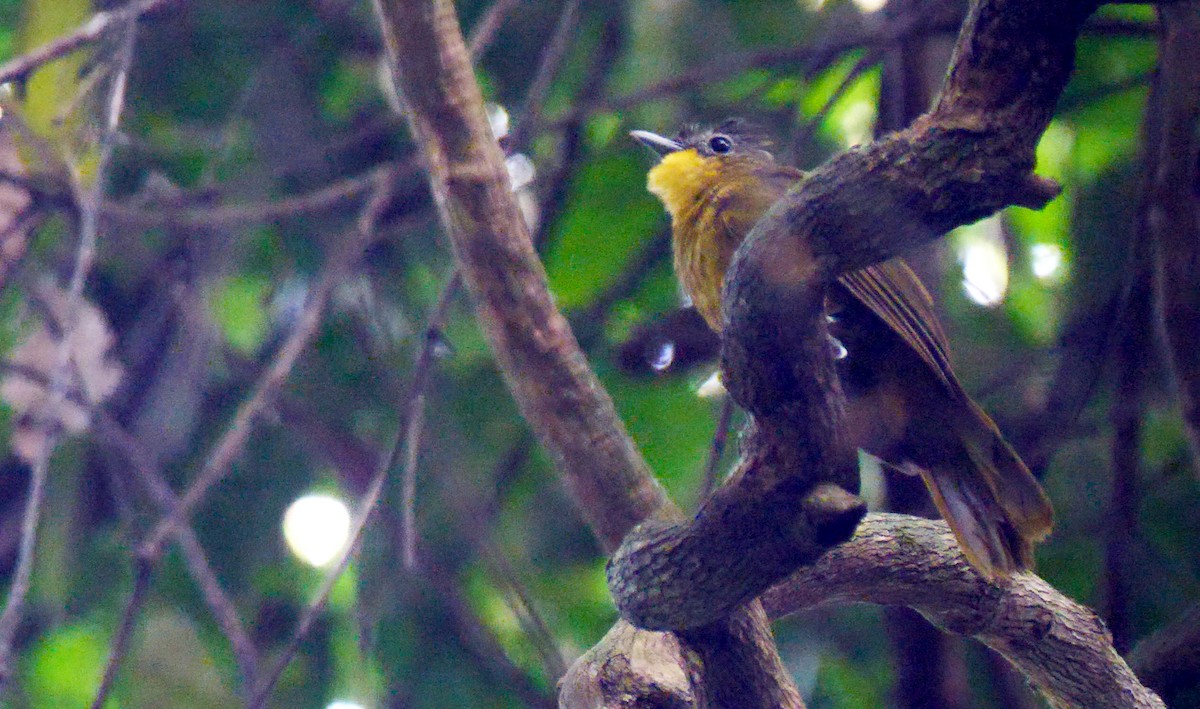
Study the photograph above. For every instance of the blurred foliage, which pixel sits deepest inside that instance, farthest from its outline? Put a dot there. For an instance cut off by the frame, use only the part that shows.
(244, 103)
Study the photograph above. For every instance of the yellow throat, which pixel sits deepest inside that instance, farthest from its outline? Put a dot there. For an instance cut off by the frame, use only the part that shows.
(713, 203)
(680, 180)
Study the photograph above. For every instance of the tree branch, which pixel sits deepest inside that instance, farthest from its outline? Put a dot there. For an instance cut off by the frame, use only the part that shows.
(1174, 217)
(95, 28)
(559, 395)
(790, 496)
(543, 366)
(1062, 647)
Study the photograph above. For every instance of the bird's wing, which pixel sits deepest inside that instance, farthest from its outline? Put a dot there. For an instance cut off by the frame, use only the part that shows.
(894, 293)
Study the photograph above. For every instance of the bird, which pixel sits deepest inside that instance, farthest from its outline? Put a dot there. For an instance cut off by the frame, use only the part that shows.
(905, 404)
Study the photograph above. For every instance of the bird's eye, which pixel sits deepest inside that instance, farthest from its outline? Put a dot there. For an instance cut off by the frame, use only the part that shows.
(720, 144)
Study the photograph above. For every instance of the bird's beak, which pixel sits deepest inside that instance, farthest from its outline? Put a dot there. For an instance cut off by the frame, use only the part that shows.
(660, 145)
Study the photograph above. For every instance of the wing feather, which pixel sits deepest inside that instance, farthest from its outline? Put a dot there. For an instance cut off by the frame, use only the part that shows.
(895, 294)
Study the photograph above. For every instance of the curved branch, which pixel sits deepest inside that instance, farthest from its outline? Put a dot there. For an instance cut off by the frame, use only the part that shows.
(558, 394)
(1063, 648)
(792, 494)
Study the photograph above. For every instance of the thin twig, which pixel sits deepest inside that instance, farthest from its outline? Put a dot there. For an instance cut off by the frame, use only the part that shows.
(479, 641)
(232, 442)
(717, 450)
(14, 604)
(522, 605)
(804, 134)
(420, 378)
(551, 61)
(594, 85)
(142, 576)
(219, 604)
(415, 413)
(485, 30)
(60, 378)
(408, 505)
(95, 28)
(318, 200)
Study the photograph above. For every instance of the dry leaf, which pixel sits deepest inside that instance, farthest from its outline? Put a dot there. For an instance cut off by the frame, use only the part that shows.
(93, 377)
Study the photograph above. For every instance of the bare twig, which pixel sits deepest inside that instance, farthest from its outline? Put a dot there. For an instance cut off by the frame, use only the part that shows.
(485, 30)
(555, 186)
(219, 604)
(408, 505)
(521, 602)
(319, 200)
(717, 449)
(313, 611)
(14, 604)
(92, 30)
(231, 443)
(416, 391)
(551, 60)
(414, 409)
(61, 374)
(142, 576)
(478, 640)
(870, 59)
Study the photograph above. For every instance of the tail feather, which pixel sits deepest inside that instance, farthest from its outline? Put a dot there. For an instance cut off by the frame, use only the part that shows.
(984, 533)
(993, 504)
(1023, 499)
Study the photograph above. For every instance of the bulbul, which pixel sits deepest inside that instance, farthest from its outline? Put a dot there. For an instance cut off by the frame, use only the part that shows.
(905, 404)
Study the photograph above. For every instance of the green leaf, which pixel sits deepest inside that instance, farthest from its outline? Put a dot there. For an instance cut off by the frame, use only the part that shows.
(66, 666)
(238, 306)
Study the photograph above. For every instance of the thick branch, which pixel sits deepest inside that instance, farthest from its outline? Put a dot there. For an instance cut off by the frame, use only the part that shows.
(791, 495)
(1062, 647)
(543, 366)
(1174, 217)
(559, 395)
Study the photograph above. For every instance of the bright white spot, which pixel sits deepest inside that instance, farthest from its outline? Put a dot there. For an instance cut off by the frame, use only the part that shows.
(343, 704)
(857, 123)
(317, 528)
(387, 84)
(530, 211)
(837, 348)
(442, 348)
(870, 5)
(663, 357)
(712, 388)
(497, 119)
(985, 267)
(287, 303)
(520, 170)
(1047, 260)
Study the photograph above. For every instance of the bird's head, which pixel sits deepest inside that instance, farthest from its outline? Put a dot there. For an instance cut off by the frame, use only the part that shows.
(698, 158)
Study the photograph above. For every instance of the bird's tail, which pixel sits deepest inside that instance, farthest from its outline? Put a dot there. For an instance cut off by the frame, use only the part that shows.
(993, 504)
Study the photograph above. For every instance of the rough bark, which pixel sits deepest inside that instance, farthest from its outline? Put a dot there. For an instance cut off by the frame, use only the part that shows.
(1063, 648)
(549, 377)
(792, 493)
(567, 408)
